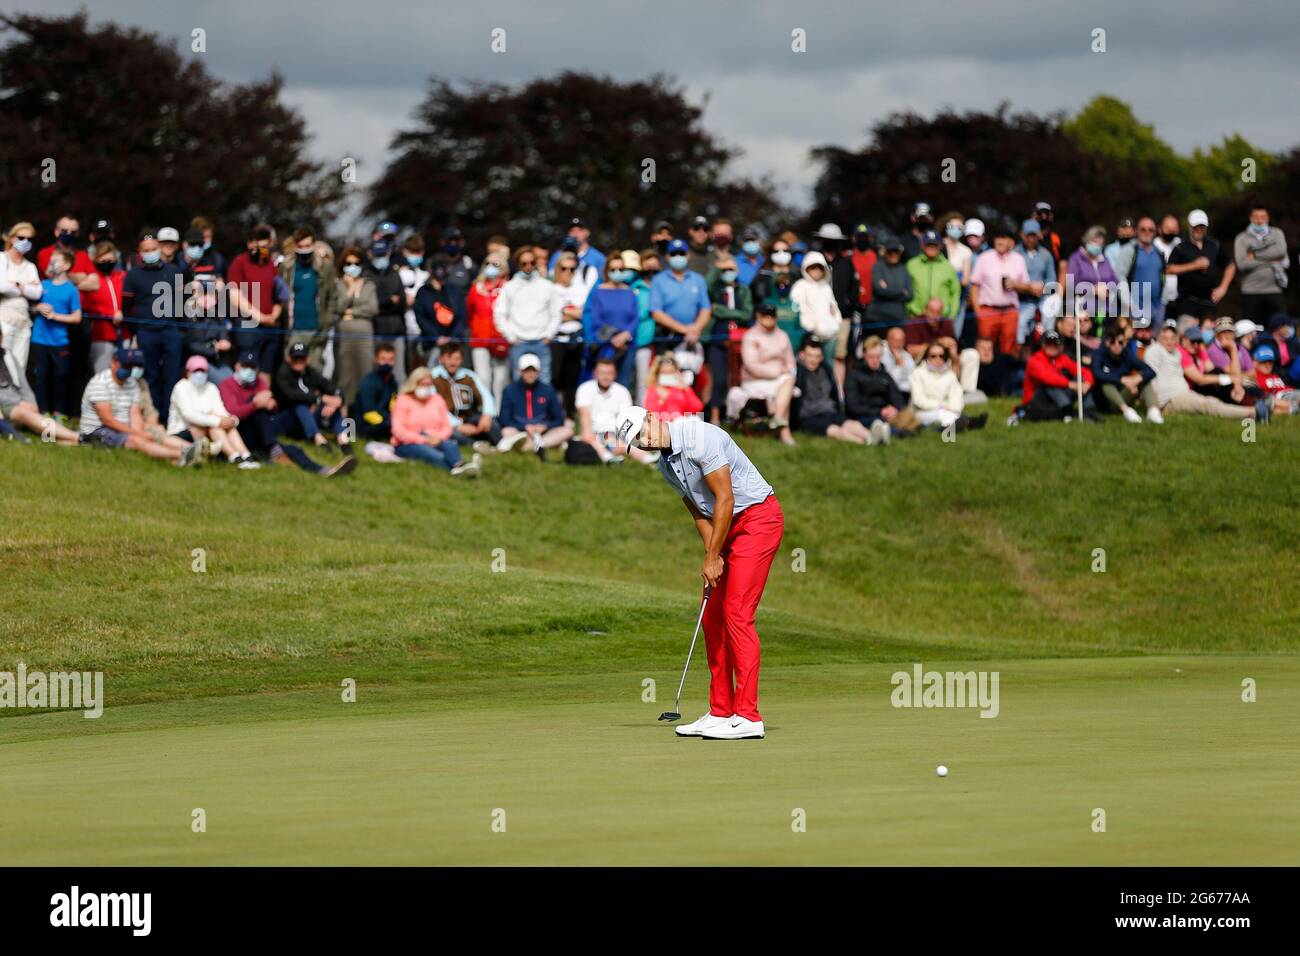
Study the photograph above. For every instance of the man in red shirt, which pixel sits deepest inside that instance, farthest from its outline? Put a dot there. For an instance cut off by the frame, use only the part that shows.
(1053, 387)
(103, 307)
(250, 283)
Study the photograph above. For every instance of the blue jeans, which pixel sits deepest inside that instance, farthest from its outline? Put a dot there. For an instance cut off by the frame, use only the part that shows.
(445, 454)
(538, 348)
(306, 422)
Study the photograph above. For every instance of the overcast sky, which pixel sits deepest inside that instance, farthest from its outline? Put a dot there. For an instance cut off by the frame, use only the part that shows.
(1196, 70)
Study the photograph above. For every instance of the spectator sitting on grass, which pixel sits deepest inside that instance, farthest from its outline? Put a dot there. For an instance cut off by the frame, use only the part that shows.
(897, 360)
(600, 401)
(817, 407)
(1281, 331)
(666, 394)
(766, 372)
(376, 394)
(999, 374)
(307, 401)
(16, 408)
(936, 393)
(422, 427)
(197, 413)
(1053, 383)
(1172, 382)
(1200, 371)
(469, 400)
(1286, 399)
(532, 417)
(931, 327)
(1124, 380)
(110, 413)
(871, 396)
(1223, 355)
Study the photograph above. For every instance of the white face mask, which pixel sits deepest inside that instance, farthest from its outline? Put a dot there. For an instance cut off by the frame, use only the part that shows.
(423, 392)
(198, 379)
(670, 380)
(781, 258)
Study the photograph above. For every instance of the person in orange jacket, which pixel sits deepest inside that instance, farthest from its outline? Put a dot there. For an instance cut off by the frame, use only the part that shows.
(1052, 385)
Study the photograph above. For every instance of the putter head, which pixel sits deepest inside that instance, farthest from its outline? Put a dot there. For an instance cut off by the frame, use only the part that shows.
(669, 715)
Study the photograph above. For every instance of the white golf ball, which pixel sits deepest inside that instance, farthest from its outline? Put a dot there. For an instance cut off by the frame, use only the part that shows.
(941, 770)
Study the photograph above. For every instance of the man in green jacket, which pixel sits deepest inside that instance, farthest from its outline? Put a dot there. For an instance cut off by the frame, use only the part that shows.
(313, 294)
(933, 277)
(732, 302)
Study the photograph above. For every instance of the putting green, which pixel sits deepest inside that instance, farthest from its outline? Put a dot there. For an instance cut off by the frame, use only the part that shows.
(1185, 771)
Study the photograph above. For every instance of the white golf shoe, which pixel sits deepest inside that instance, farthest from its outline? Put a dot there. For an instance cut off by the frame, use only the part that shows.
(1154, 416)
(1131, 415)
(706, 722)
(738, 728)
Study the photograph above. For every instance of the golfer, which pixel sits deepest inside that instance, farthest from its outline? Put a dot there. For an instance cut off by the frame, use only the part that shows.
(740, 523)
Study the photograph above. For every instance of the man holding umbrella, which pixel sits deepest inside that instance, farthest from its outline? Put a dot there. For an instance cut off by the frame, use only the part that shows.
(740, 524)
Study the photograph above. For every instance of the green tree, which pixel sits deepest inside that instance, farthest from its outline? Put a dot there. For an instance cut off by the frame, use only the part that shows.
(1106, 127)
(1216, 175)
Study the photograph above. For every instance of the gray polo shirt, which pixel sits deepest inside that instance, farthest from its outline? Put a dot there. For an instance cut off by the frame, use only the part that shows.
(699, 449)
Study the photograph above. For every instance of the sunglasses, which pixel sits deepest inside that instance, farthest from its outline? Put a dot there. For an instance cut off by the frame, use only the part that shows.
(564, 268)
(525, 263)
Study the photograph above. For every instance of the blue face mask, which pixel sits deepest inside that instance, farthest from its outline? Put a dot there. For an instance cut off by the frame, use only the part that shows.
(954, 232)
(380, 263)
(1207, 336)
(728, 276)
(622, 275)
(352, 269)
(414, 261)
(751, 248)
(677, 263)
(194, 252)
(246, 376)
(1094, 249)
(23, 245)
(492, 272)
(1258, 230)
(151, 258)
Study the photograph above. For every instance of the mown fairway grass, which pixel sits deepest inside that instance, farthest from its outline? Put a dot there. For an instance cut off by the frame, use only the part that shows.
(523, 690)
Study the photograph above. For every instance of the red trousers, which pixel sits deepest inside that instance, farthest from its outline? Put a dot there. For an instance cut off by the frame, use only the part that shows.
(729, 632)
(999, 324)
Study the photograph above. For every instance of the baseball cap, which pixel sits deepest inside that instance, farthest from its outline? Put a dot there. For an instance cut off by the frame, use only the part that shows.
(1197, 217)
(893, 242)
(830, 230)
(1052, 338)
(1245, 327)
(101, 225)
(1031, 227)
(929, 238)
(631, 259)
(1278, 320)
(663, 224)
(451, 232)
(1125, 222)
(195, 362)
(974, 227)
(529, 360)
(387, 228)
(752, 232)
(677, 246)
(1042, 207)
(630, 423)
(298, 350)
(194, 237)
(862, 229)
(168, 234)
(129, 357)
(1264, 352)
(700, 222)
(577, 223)
(248, 359)
(1225, 325)
(921, 209)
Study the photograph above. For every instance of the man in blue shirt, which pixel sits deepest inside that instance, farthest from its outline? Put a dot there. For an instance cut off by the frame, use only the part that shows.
(751, 257)
(740, 523)
(1145, 280)
(1042, 270)
(588, 255)
(153, 307)
(679, 299)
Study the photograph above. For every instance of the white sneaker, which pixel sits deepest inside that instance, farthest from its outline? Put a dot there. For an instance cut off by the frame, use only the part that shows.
(511, 442)
(1154, 416)
(484, 447)
(696, 729)
(248, 464)
(880, 429)
(1131, 415)
(738, 728)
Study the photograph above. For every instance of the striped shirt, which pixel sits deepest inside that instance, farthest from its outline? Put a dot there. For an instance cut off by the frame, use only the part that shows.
(103, 389)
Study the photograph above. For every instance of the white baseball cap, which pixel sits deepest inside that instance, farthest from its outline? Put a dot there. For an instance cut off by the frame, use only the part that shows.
(168, 234)
(1197, 217)
(1245, 327)
(529, 360)
(630, 422)
(974, 227)
(830, 230)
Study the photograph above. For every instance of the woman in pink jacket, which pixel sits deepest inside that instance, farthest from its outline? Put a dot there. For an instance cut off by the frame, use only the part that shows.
(422, 427)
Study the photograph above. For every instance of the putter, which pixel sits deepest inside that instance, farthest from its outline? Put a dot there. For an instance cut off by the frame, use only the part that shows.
(676, 714)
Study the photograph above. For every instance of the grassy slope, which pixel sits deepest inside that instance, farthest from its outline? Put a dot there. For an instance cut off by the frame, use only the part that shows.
(522, 690)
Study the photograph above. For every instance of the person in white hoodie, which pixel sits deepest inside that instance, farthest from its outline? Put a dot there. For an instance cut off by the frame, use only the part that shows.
(936, 393)
(526, 313)
(815, 305)
(20, 289)
(197, 414)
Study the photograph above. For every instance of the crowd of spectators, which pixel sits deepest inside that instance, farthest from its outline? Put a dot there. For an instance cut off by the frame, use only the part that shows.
(435, 353)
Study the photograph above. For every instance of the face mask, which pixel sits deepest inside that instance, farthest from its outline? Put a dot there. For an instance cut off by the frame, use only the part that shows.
(137, 372)
(423, 392)
(414, 261)
(198, 379)
(622, 275)
(728, 276)
(954, 232)
(246, 376)
(861, 243)
(124, 373)
(384, 370)
(677, 263)
(380, 263)
(781, 257)
(352, 270)
(55, 268)
(151, 258)
(67, 238)
(23, 245)
(751, 248)
(1094, 249)
(207, 245)
(452, 248)
(721, 242)
(1169, 236)
(526, 274)
(1258, 230)
(104, 268)
(259, 254)
(306, 257)
(669, 381)
(1207, 336)
(492, 272)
